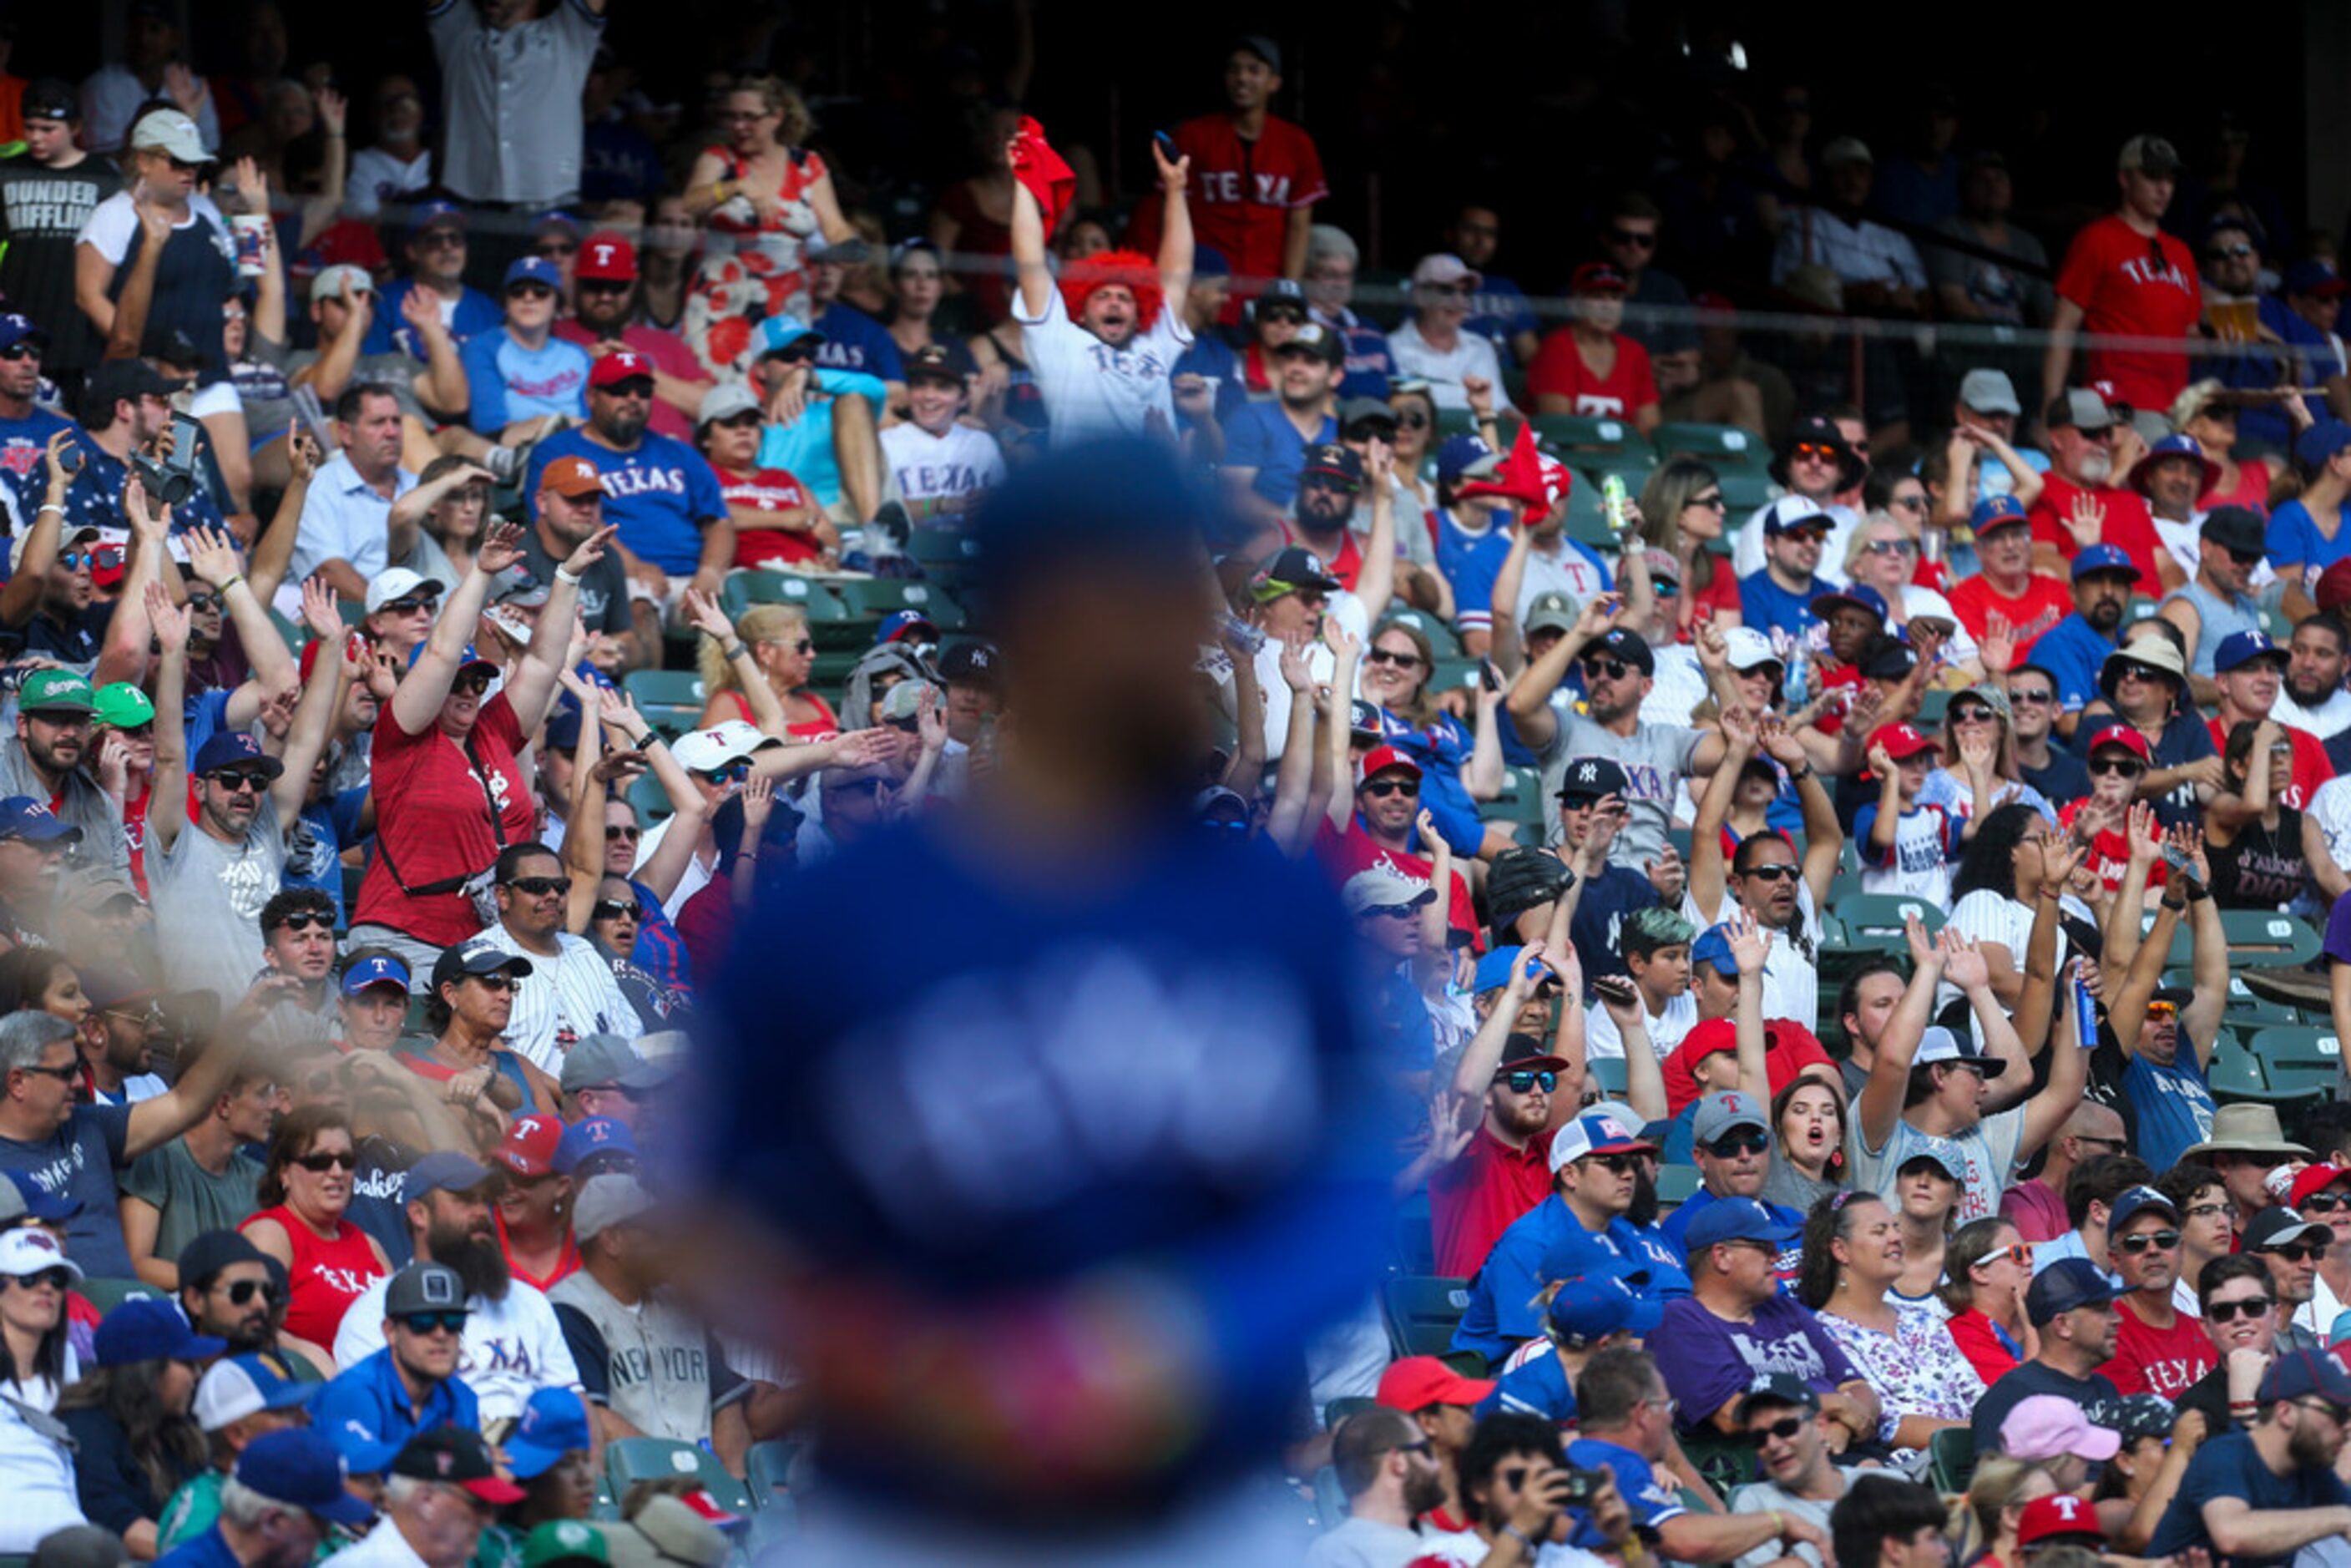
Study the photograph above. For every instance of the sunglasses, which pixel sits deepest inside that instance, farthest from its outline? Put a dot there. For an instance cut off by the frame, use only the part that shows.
(1606, 669)
(319, 1165)
(239, 780)
(434, 1322)
(1633, 237)
(62, 1075)
(733, 773)
(411, 606)
(1714, 503)
(1784, 1429)
(1891, 547)
(1521, 1083)
(2297, 1251)
(1413, 420)
(1621, 1165)
(307, 920)
(1383, 656)
(1972, 716)
(2160, 1240)
(803, 646)
(1812, 452)
(635, 386)
(1288, 313)
(56, 1279)
(204, 603)
(440, 239)
(2029, 699)
(613, 909)
(1394, 912)
(1772, 873)
(1381, 788)
(2015, 1252)
(2116, 767)
(605, 285)
(241, 1294)
(20, 352)
(2325, 1202)
(1908, 504)
(1730, 1145)
(540, 886)
(75, 559)
(2160, 1009)
(499, 982)
(2249, 1307)
(471, 685)
(557, 248)
(2229, 252)
(622, 835)
(530, 291)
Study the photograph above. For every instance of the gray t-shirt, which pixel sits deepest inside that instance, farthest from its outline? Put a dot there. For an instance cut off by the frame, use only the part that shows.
(208, 897)
(1986, 1151)
(1655, 758)
(192, 1198)
(1762, 1497)
(392, 373)
(2016, 294)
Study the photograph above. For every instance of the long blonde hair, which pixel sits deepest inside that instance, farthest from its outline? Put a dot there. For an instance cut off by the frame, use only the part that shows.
(760, 623)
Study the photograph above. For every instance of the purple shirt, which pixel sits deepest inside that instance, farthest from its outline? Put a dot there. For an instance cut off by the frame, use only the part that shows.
(2339, 931)
(1708, 1360)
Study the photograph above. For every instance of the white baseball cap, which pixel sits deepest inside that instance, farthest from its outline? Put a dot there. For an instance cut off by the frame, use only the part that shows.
(328, 283)
(1380, 888)
(27, 1252)
(612, 1198)
(1446, 269)
(1747, 648)
(168, 131)
(706, 751)
(399, 583)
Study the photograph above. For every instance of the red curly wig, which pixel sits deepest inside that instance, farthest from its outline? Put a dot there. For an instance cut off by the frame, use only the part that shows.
(1132, 268)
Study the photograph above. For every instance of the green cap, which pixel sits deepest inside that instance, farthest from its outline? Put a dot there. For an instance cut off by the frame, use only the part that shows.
(564, 1540)
(124, 707)
(58, 691)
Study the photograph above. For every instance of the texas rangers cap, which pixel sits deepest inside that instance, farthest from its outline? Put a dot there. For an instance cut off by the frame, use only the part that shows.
(2240, 648)
(591, 1138)
(15, 329)
(298, 1467)
(606, 257)
(1859, 595)
(1791, 513)
(1719, 1112)
(1588, 1308)
(619, 365)
(1997, 512)
(22, 817)
(1735, 1220)
(527, 269)
(235, 748)
(1626, 645)
(434, 214)
(1464, 457)
(55, 691)
(1746, 648)
(2297, 1372)
(729, 740)
(900, 623)
(1597, 277)
(1900, 740)
(1381, 758)
(2091, 560)
(1596, 1135)
(2124, 735)
(2059, 1516)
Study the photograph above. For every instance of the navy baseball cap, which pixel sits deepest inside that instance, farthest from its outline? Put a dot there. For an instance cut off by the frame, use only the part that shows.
(434, 214)
(468, 658)
(2240, 648)
(1626, 645)
(235, 748)
(1734, 1219)
(2298, 1372)
(1789, 513)
(382, 969)
(590, 1137)
(2135, 1202)
(1207, 261)
(147, 1329)
(1588, 1308)
(1459, 456)
(1593, 776)
(2316, 275)
(532, 269)
(899, 623)
(16, 329)
(2062, 1287)
(1860, 595)
(2321, 442)
(1776, 1389)
(1996, 512)
(2094, 559)
(300, 1469)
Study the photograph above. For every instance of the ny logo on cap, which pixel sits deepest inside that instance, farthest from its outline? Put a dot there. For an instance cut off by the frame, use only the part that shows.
(1585, 772)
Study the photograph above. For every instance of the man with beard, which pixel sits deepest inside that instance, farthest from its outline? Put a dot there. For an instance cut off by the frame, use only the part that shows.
(2172, 476)
(118, 1042)
(2075, 649)
(1324, 507)
(2218, 602)
(675, 529)
(512, 1344)
(2158, 1349)
(2248, 673)
(2259, 1496)
(410, 1385)
(1391, 1478)
(2072, 1308)
(197, 1184)
(41, 764)
(1269, 444)
(1504, 1169)
(2080, 504)
(604, 279)
(1514, 1479)
(226, 1286)
(2313, 699)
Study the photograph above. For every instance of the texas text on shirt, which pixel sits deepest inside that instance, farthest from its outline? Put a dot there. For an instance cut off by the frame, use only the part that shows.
(1092, 390)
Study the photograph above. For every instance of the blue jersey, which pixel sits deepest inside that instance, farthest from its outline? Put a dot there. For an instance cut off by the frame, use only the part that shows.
(1470, 562)
(1502, 1311)
(1260, 437)
(389, 333)
(1769, 608)
(23, 461)
(856, 341)
(2072, 653)
(663, 495)
(1538, 1388)
(1222, 1165)
(508, 382)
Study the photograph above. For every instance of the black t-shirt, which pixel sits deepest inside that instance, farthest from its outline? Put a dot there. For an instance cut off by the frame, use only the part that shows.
(603, 588)
(2095, 1394)
(2066, 778)
(41, 212)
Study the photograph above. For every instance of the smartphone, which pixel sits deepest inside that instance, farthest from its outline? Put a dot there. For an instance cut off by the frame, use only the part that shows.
(70, 459)
(1583, 1485)
(1492, 676)
(1167, 148)
(2174, 856)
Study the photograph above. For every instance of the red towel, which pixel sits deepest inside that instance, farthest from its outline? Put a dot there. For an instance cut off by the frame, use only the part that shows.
(1526, 475)
(1050, 179)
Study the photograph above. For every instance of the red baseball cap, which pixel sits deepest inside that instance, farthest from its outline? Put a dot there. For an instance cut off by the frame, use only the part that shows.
(1417, 1382)
(2058, 1515)
(2314, 1179)
(606, 257)
(528, 1148)
(1380, 758)
(1597, 277)
(621, 365)
(2334, 589)
(1900, 740)
(2127, 737)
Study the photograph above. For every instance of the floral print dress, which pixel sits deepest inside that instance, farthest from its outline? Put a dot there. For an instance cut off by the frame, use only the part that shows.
(1916, 1370)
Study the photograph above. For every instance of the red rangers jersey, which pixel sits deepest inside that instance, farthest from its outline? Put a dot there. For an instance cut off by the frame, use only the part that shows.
(1241, 191)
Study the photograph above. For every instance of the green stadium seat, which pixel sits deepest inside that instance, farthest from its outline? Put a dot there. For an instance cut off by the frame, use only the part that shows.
(1339, 1410)
(2234, 1073)
(1453, 422)
(769, 1468)
(1952, 1459)
(1521, 800)
(1677, 1183)
(2296, 1045)
(1606, 1073)
(671, 700)
(2261, 939)
(1329, 1499)
(1452, 674)
(1586, 441)
(873, 598)
(1744, 494)
(1414, 1235)
(108, 1295)
(1421, 1310)
(1876, 921)
(1724, 447)
(1442, 641)
(1933, 705)
(745, 588)
(629, 1460)
(949, 548)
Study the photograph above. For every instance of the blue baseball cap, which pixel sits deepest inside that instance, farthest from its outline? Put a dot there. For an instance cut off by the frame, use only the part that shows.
(1588, 1308)
(553, 1424)
(555, 218)
(779, 332)
(16, 329)
(357, 1446)
(1860, 595)
(444, 1170)
(591, 1136)
(2321, 442)
(1734, 1219)
(23, 817)
(434, 215)
(899, 623)
(468, 658)
(146, 1329)
(2239, 648)
(2317, 276)
(2135, 1202)
(532, 269)
(233, 749)
(381, 969)
(2063, 1286)
(2094, 559)
(1459, 454)
(1494, 970)
(1713, 946)
(1995, 512)
(236, 1387)
(2298, 1373)
(2172, 446)
(1207, 261)
(301, 1468)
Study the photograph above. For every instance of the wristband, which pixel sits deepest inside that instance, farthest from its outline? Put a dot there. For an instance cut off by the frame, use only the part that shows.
(50, 506)
(1515, 1534)
(235, 577)
(735, 651)
(1799, 775)
(2175, 908)
(2198, 893)
(567, 577)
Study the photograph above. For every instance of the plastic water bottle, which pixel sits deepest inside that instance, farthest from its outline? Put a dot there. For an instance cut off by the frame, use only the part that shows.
(1795, 688)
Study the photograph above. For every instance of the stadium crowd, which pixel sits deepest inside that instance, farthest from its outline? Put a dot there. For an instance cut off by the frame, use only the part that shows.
(490, 612)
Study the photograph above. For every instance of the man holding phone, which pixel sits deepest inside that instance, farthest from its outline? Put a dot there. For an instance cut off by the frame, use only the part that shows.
(1525, 1502)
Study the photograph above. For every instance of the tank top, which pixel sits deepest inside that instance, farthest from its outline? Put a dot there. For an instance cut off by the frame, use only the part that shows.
(819, 728)
(2219, 620)
(2260, 868)
(327, 1275)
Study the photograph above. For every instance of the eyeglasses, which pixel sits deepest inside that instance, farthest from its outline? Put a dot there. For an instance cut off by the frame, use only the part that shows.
(57, 1279)
(1620, 1165)
(1714, 503)
(1972, 716)
(236, 782)
(2297, 1252)
(437, 239)
(1521, 1083)
(2325, 1202)
(20, 352)
(1812, 452)
(1771, 872)
(1381, 788)
(554, 247)
(62, 1075)
(540, 886)
(1633, 237)
(1907, 502)
(1891, 547)
(1386, 657)
(434, 1322)
(1784, 1430)
(1413, 420)
(2249, 1307)
(242, 1293)
(319, 1165)
(411, 606)
(613, 909)
(1730, 1145)
(2237, 252)
(803, 646)
(1604, 669)
(2334, 1413)
(307, 920)
(498, 982)
(733, 773)
(615, 833)
(2161, 1241)
(2116, 767)
(2029, 699)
